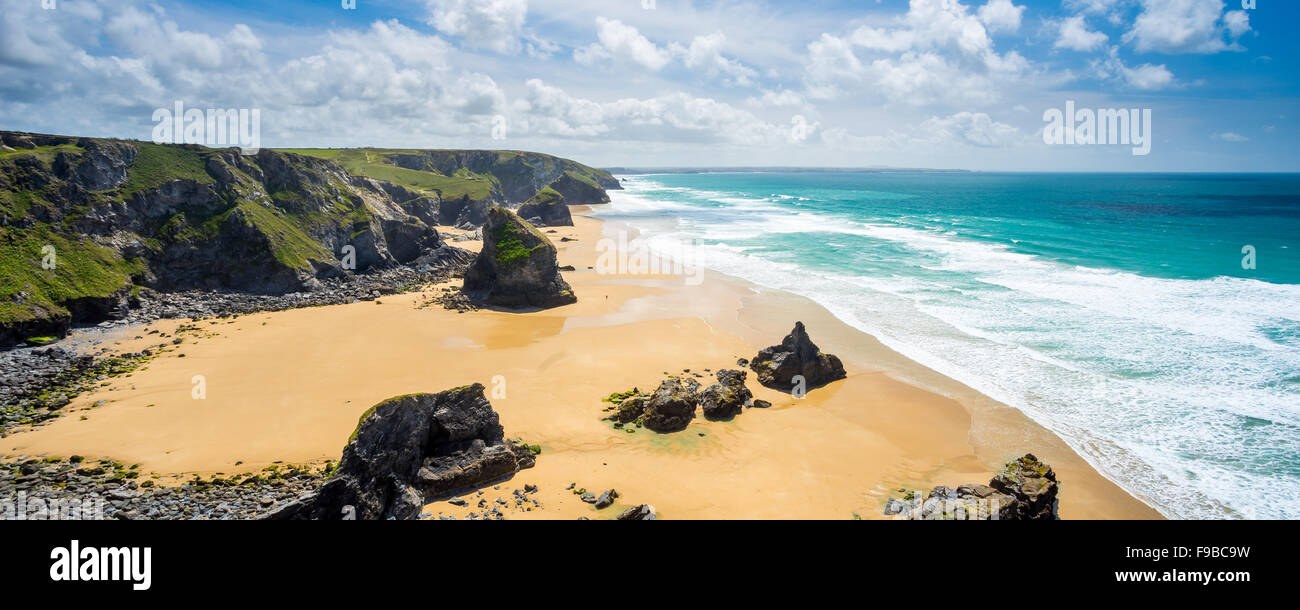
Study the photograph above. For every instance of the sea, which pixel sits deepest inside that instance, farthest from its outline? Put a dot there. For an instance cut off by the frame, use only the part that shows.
(1152, 321)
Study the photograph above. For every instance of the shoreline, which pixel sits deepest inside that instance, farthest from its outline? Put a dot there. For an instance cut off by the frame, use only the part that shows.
(288, 386)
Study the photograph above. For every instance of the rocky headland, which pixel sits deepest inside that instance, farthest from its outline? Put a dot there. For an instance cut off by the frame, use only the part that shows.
(88, 226)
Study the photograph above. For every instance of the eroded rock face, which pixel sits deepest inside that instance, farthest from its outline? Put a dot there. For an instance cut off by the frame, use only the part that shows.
(412, 448)
(517, 267)
(671, 408)
(777, 366)
(726, 398)
(547, 209)
(1024, 490)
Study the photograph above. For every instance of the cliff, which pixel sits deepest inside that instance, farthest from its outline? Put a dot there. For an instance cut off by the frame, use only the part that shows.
(86, 222)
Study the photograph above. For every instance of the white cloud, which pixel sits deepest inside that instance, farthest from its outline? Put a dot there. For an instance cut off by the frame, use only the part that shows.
(778, 99)
(672, 117)
(1001, 15)
(705, 53)
(1229, 136)
(975, 129)
(490, 24)
(938, 52)
(1074, 34)
(959, 130)
(1186, 26)
(618, 39)
(1147, 77)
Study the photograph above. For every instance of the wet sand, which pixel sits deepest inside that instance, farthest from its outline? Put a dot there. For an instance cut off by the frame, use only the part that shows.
(289, 387)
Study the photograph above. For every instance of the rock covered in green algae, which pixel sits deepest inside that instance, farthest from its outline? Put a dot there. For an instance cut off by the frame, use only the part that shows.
(517, 267)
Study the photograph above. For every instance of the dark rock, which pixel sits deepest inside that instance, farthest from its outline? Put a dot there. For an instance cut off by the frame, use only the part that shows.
(726, 398)
(1024, 490)
(671, 408)
(516, 267)
(777, 366)
(410, 448)
(631, 409)
(644, 512)
(762, 404)
(1034, 487)
(606, 499)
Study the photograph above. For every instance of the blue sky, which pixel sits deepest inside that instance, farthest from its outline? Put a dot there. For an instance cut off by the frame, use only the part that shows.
(926, 83)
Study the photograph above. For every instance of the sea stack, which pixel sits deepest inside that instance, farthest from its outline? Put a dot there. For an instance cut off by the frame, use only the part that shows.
(777, 366)
(409, 449)
(517, 267)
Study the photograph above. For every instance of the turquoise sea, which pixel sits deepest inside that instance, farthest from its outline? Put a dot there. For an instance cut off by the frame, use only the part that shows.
(1113, 309)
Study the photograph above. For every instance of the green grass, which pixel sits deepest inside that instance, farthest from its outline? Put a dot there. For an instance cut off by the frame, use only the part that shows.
(45, 153)
(374, 164)
(289, 244)
(511, 251)
(83, 269)
(547, 196)
(158, 164)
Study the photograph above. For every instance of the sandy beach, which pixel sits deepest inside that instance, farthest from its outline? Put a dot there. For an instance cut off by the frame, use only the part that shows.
(290, 386)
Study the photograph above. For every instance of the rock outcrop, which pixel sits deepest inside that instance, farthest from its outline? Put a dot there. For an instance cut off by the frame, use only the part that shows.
(409, 449)
(1024, 490)
(644, 512)
(728, 397)
(777, 366)
(672, 407)
(547, 209)
(517, 267)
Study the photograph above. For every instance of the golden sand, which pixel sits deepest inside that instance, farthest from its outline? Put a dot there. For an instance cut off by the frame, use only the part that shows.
(289, 387)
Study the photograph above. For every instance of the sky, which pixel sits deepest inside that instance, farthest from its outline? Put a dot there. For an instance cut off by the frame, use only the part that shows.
(951, 84)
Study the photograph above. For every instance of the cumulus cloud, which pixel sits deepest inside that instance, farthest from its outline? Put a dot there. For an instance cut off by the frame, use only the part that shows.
(959, 130)
(1147, 77)
(1073, 33)
(975, 129)
(492, 24)
(938, 51)
(1187, 26)
(705, 54)
(678, 116)
(1001, 15)
(619, 40)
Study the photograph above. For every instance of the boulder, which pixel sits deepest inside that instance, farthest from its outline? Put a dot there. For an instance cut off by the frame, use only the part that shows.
(671, 408)
(517, 266)
(629, 410)
(409, 449)
(1033, 486)
(1024, 490)
(645, 512)
(726, 398)
(777, 366)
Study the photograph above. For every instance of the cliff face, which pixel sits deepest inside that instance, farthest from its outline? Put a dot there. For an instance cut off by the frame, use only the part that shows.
(84, 221)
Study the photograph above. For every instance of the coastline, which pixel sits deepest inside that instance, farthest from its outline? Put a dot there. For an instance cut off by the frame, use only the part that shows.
(289, 386)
